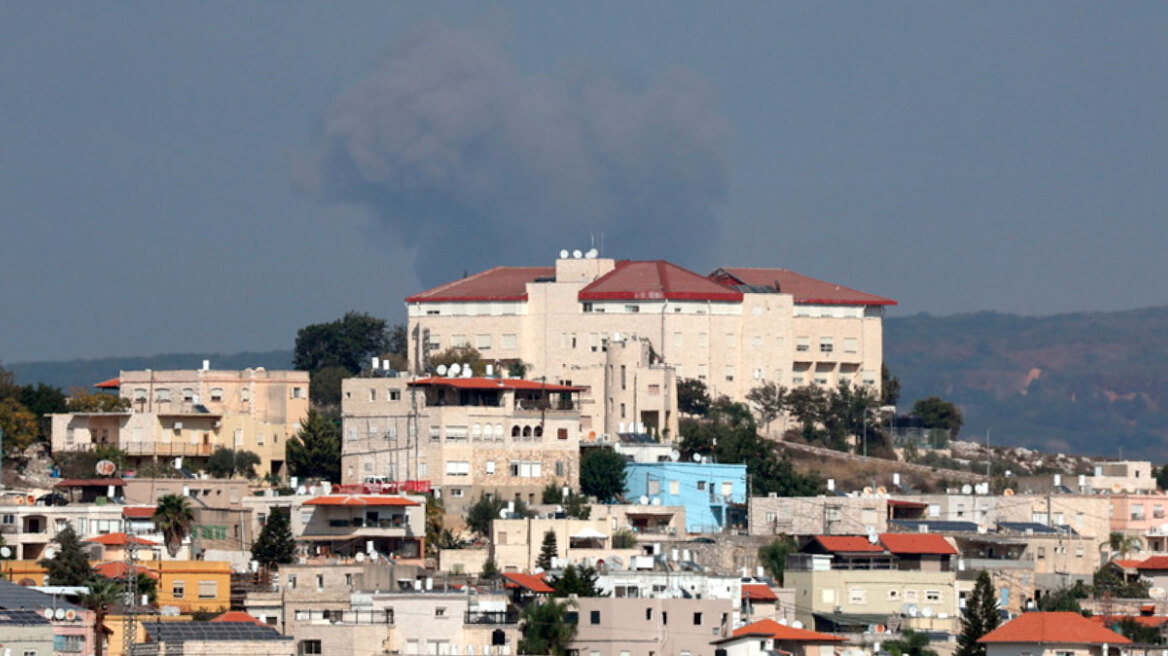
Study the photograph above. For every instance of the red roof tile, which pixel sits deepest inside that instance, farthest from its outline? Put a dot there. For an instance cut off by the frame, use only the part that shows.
(758, 592)
(1152, 621)
(120, 540)
(116, 569)
(655, 280)
(773, 629)
(1127, 563)
(495, 383)
(1062, 628)
(806, 290)
(360, 500)
(532, 582)
(236, 616)
(112, 383)
(847, 543)
(917, 543)
(138, 512)
(497, 284)
(1155, 563)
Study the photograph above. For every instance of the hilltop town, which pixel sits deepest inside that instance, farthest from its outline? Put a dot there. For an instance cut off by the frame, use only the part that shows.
(596, 457)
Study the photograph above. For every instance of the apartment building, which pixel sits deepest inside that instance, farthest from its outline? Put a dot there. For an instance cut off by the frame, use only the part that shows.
(733, 329)
(188, 414)
(465, 436)
(713, 494)
(517, 543)
(610, 626)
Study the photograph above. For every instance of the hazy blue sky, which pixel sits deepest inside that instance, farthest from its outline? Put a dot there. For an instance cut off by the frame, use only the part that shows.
(213, 176)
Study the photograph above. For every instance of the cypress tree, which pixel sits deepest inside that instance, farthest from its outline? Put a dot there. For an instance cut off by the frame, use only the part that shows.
(547, 551)
(981, 617)
(70, 565)
(275, 545)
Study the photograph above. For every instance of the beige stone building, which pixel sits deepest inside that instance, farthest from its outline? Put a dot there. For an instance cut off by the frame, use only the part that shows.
(733, 329)
(466, 436)
(517, 542)
(187, 414)
(611, 626)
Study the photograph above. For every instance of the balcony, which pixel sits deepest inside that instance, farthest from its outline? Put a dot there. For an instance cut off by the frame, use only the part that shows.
(490, 617)
(350, 617)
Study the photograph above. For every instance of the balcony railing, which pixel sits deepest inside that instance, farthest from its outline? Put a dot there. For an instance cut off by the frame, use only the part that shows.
(491, 617)
(149, 448)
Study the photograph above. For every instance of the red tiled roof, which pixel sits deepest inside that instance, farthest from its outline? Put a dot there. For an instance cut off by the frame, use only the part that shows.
(495, 383)
(360, 500)
(1152, 621)
(90, 482)
(847, 543)
(1063, 628)
(120, 540)
(236, 616)
(758, 592)
(655, 280)
(805, 289)
(497, 284)
(138, 512)
(116, 569)
(1127, 563)
(773, 629)
(112, 383)
(1155, 563)
(532, 582)
(917, 543)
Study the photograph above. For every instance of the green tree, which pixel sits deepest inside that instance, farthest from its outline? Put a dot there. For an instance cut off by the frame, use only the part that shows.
(692, 397)
(552, 493)
(576, 507)
(490, 569)
(910, 643)
(981, 616)
(315, 452)
(545, 628)
(773, 556)
(808, 405)
(579, 581)
(348, 342)
(226, 463)
(481, 513)
(174, 519)
(1162, 477)
(1130, 628)
(69, 564)
(602, 474)
(463, 356)
(1121, 544)
(82, 400)
(325, 386)
(19, 425)
(435, 523)
(42, 400)
(935, 412)
(1108, 582)
(624, 539)
(889, 387)
(547, 551)
(275, 546)
(769, 399)
(517, 369)
(1064, 599)
(101, 597)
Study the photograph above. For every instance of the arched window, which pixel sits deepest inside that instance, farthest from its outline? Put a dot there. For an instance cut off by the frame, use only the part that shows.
(515, 431)
(527, 431)
(539, 431)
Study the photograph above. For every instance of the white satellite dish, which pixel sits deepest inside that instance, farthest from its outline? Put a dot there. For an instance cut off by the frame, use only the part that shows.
(675, 455)
(59, 613)
(360, 557)
(784, 621)
(966, 489)
(656, 501)
(504, 513)
(48, 613)
(454, 369)
(577, 254)
(5, 552)
(49, 552)
(913, 611)
(301, 490)
(796, 624)
(927, 611)
(592, 254)
(697, 457)
(644, 500)
(441, 370)
(564, 254)
(467, 372)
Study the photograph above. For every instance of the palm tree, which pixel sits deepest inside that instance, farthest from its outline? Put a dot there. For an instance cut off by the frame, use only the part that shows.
(103, 593)
(174, 518)
(911, 643)
(546, 629)
(1121, 545)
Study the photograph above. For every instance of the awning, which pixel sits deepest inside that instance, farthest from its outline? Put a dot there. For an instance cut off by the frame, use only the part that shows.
(590, 534)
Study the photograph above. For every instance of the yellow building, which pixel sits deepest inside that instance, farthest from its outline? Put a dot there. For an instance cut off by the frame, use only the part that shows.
(194, 585)
(23, 572)
(188, 414)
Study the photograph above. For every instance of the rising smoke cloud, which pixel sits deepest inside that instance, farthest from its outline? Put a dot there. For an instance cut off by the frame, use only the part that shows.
(474, 163)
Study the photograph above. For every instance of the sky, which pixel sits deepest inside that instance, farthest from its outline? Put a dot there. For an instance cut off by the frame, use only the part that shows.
(213, 176)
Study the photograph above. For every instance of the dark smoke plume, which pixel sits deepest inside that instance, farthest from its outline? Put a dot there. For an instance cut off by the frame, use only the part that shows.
(473, 163)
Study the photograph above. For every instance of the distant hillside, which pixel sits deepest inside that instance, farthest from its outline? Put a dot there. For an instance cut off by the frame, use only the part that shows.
(84, 373)
(1088, 383)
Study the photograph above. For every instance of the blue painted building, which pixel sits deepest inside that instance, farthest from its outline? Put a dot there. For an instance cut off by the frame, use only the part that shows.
(706, 490)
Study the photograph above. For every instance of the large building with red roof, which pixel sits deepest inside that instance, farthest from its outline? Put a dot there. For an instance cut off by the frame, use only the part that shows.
(734, 329)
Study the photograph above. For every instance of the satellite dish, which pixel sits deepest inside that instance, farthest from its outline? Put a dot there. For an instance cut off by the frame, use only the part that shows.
(675, 455)
(564, 254)
(467, 372)
(867, 491)
(504, 513)
(882, 490)
(5, 552)
(966, 489)
(926, 612)
(59, 613)
(697, 457)
(913, 611)
(644, 500)
(577, 254)
(49, 552)
(592, 253)
(70, 615)
(796, 624)
(441, 370)
(454, 369)
(48, 613)
(105, 467)
(784, 621)
(616, 561)
(360, 557)
(301, 490)
(656, 501)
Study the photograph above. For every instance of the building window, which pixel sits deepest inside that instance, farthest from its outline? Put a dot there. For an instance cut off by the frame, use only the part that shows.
(701, 486)
(856, 596)
(802, 344)
(826, 345)
(729, 372)
(674, 487)
(297, 392)
(483, 342)
(208, 589)
(178, 589)
(308, 647)
(587, 307)
(559, 468)
(490, 466)
(440, 611)
(1041, 553)
(162, 395)
(509, 341)
(457, 468)
(458, 341)
(594, 617)
(216, 393)
(697, 619)
(851, 345)
(393, 395)
(932, 596)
